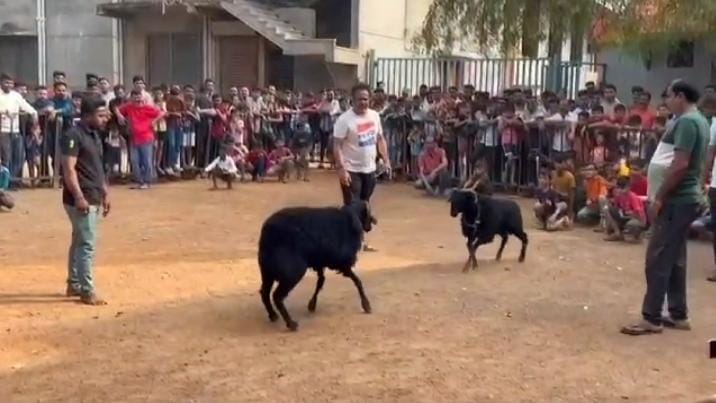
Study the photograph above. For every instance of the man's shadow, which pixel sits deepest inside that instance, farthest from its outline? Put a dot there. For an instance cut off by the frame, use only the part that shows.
(33, 298)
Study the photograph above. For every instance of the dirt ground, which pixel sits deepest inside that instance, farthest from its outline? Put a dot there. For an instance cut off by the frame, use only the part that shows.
(185, 322)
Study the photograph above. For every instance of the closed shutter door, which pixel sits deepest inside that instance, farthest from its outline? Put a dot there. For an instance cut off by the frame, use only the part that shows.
(186, 58)
(174, 59)
(159, 59)
(239, 61)
(19, 57)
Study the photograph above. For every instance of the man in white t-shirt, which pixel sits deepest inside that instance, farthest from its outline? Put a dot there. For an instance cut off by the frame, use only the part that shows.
(357, 141)
(708, 107)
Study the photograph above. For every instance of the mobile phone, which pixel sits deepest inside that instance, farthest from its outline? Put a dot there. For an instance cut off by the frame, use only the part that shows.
(712, 349)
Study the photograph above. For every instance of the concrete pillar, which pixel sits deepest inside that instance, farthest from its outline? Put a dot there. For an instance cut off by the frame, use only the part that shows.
(262, 62)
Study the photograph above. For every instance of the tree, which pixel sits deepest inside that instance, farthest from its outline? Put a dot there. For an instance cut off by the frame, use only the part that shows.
(646, 26)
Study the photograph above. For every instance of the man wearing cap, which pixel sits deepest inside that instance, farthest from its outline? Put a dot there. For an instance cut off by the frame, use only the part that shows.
(433, 163)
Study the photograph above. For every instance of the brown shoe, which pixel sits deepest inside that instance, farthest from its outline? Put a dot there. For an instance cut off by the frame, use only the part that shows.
(642, 328)
(92, 299)
(71, 291)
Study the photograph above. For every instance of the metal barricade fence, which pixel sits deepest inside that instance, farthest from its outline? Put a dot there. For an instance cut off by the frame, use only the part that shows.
(517, 165)
(487, 75)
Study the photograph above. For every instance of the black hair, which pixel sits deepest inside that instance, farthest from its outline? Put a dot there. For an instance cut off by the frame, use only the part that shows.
(597, 108)
(623, 182)
(584, 114)
(637, 88)
(91, 76)
(90, 105)
(58, 73)
(40, 88)
(136, 92)
(360, 87)
(610, 86)
(118, 87)
(710, 87)
(59, 84)
(589, 83)
(216, 96)
(619, 107)
(647, 93)
(5, 76)
(209, 80)
(582, 93)
(103, 79)
(78, 95)
(690, 93)
(138, 78)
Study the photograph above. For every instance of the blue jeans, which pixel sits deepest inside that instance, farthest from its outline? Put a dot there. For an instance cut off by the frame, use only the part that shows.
(4, 178)
(80, 262)
(174, 144)
(142, 163)
(17, 160)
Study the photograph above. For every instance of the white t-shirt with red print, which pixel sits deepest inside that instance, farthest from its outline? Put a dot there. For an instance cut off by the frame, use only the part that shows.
(360, 139)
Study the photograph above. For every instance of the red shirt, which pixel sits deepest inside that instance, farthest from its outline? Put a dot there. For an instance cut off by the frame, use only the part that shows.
(220, 123)
(647, 117)
(255, 155)
(140, 118)
(638, 184)
(431, 159)
(630, 203)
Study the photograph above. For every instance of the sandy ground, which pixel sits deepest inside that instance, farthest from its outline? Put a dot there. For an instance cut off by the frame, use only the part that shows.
(185, 322)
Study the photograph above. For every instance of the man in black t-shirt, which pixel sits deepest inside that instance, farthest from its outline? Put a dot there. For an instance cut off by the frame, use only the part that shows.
(85, 193)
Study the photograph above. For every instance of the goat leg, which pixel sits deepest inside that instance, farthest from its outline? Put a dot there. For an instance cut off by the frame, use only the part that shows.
(502, 247)
(359, 285)
(278, 296)
(471, 259)
(319, 286)
(266, 299)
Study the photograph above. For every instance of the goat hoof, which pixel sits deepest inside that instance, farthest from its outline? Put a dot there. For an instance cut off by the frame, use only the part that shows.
(498, 258)
(366, 307)
(521, 259)
(292, 326)
(273, 317)
(312, 306)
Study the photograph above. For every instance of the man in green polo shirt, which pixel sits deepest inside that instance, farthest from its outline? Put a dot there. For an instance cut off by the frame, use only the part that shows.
(675, 196)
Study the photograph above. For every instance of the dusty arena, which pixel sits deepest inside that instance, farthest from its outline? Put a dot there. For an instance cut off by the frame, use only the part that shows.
(185, 322)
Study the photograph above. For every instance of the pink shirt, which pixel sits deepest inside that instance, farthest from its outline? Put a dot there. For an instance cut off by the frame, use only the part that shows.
(630, 203)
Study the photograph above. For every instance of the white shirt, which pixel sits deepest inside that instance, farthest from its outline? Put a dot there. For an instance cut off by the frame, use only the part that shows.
(11, 104)
(360, 139)
(712, 143)
(560, 138)
(108, 97)
(226, 166)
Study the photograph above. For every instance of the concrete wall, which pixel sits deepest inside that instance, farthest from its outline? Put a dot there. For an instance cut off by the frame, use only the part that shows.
(625, 70)
(78, 41)
(304, 19)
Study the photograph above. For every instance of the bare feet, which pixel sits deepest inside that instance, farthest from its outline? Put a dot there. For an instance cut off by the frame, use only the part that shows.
(92, 299)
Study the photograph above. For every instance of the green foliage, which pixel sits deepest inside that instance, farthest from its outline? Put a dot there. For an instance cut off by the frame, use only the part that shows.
(645, 27)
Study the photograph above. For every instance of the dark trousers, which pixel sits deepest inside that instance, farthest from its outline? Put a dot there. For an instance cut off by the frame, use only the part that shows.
(5, 149)
(361, 188)
(712, 224)
(666, 262)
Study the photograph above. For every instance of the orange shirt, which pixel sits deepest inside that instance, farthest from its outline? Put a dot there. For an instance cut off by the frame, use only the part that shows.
(596, 187)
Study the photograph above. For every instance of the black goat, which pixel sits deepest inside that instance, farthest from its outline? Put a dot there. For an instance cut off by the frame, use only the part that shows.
(294, 239)
(483, 217)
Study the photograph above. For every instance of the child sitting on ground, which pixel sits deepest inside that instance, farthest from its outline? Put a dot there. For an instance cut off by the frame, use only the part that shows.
(626, 213)
(224, 168)
(280, 162)
(551, 209)
(597, 189)
(256, 162)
